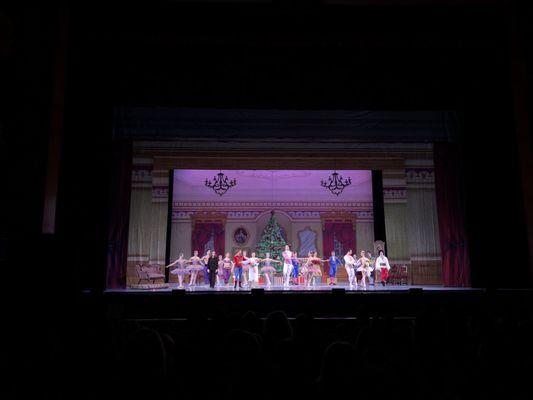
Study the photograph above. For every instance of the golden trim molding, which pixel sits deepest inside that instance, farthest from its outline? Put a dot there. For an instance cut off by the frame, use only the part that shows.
(337, 216)
(206, 216)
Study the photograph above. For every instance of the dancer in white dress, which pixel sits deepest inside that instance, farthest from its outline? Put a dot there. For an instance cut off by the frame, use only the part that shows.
(253, 271)
(180, 270)
(287, 265)
(245, 268)
(365, 268)
(268, 270)
(349, 264)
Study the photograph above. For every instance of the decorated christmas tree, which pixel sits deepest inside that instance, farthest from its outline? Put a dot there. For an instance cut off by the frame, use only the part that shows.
(271, 241)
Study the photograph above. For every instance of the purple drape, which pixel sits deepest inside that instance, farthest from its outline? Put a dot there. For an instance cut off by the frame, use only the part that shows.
(344, 233)
(202, 233)
(451, 215)
(117, 252)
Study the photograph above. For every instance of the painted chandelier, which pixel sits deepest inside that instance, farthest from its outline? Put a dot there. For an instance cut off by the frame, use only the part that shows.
(335, 183)
(220, 183)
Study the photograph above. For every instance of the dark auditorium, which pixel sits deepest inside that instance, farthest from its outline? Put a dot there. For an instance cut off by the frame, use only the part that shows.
(267, 199)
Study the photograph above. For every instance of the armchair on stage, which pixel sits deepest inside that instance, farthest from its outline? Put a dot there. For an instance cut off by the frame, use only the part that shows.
(150, 273)
(399, 275)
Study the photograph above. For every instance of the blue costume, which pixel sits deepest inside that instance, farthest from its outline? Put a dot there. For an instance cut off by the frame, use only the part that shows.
(295, 266)
(334, 262)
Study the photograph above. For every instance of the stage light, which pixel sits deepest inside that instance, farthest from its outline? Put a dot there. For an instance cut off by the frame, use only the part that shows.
(335, 183)
(220, 183)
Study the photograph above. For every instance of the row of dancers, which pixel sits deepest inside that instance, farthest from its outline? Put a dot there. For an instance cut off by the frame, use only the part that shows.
(218, 270)
(312, 267)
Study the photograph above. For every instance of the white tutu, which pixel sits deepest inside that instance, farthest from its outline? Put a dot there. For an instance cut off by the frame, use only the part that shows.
(253, 274)
(195, 268)
(267, 269)
(364, 270)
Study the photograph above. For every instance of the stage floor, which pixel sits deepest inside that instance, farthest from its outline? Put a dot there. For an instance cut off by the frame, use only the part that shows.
(205, 289)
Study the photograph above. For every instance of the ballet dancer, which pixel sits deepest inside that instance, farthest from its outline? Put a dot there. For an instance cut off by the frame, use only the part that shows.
(196, 265)
(313, 268)
(305, 267)
(371, 262)
(245, 268)
(180, 270)
(228, 268)
(349, 264)
(268, 270)
(295, 268)
(364, 268)
(382, 265)
(334, 263)
(237, 269)
(253, 271)
(205, 259)
(287, 265)
(307, 270)
(220, 271)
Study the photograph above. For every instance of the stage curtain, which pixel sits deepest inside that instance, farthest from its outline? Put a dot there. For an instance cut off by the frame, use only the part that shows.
(451, 215)
(346, 234)
(117, 252)
(202, 233)
(343, 232)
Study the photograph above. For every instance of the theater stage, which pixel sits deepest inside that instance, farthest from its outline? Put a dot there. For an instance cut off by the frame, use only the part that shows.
(322, 301)
(324, 288)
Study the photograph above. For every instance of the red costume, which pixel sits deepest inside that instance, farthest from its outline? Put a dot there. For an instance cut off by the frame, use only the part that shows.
(237, 260)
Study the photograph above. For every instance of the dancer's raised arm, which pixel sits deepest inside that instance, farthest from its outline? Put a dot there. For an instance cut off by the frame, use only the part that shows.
(179, 259)
(172, 264)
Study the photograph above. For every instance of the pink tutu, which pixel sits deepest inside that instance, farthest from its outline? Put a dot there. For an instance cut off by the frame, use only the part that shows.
(314, 269)
(195, 268)
(267, 269)
(179, 271)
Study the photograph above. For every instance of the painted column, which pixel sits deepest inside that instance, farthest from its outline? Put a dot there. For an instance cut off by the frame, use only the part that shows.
(423, 229)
